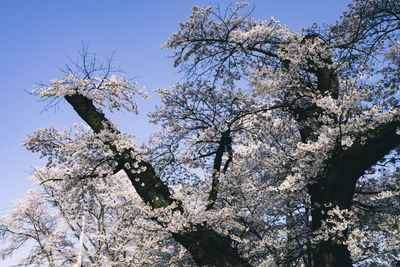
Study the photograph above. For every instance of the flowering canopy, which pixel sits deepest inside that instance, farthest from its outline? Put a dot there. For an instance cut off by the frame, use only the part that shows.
(297, 167)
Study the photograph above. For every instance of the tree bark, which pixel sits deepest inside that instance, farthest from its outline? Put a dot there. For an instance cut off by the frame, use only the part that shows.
(209, 248)
(337, 187)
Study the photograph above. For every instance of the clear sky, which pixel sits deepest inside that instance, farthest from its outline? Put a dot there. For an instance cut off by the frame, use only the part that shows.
(37, 37)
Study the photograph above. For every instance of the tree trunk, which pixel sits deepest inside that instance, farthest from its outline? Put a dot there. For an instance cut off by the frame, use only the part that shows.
(331, 252)
(337, 185)
(208, 248)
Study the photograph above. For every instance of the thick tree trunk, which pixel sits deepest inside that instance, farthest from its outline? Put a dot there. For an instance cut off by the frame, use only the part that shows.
(207, 247)
(337, 186)
(331, 252)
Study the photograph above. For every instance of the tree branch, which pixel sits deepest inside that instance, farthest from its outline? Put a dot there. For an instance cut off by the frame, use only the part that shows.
(223, 145)
(206, 246)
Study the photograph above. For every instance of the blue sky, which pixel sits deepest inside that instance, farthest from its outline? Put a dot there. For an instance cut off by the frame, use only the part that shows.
(37, 37)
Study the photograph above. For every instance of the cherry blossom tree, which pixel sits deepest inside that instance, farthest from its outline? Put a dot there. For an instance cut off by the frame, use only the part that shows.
(54, 219)
(279, 149)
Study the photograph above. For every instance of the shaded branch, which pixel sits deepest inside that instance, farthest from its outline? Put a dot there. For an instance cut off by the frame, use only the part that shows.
(225, 144)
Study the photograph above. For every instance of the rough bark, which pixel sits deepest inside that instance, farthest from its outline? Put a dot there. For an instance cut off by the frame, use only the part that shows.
(206, 246)
(337, 186)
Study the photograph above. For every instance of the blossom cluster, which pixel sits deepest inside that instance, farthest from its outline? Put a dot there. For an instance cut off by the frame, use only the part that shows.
(113, 93)
(82, 152)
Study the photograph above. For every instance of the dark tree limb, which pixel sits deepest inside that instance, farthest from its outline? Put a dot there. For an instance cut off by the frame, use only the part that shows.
(149, 187)
(225, 144)
(206, 246)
